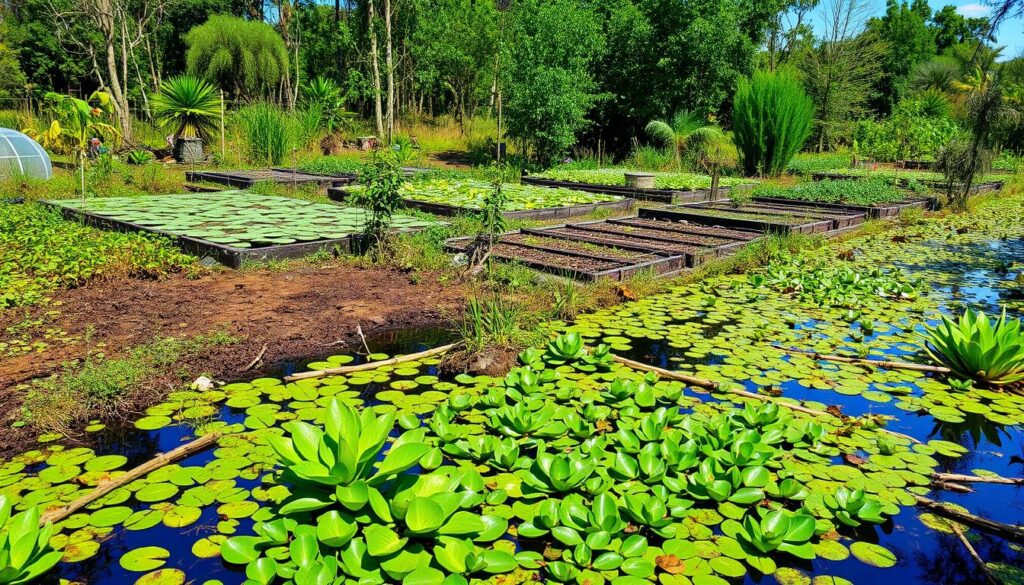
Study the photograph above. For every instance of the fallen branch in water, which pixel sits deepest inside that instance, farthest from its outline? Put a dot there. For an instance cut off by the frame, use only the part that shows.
(369, 365)
(974, 554)
(891, 365)
(961, 478)
(105, 487)
(1007, 531)
(712, 385)
(952, 487)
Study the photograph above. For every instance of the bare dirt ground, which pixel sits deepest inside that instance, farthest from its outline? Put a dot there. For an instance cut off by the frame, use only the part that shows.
(296, 312)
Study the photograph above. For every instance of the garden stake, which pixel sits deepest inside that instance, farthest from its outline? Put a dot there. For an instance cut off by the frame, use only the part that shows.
(712, 385)
(369, 365)
(1007, 531)
(876, 363)
(105, 487)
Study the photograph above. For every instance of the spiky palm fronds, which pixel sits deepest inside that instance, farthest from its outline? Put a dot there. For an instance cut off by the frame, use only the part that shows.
(937, 74)
(188, 105)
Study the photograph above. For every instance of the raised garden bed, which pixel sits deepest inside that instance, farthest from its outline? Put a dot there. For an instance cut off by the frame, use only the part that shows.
(841, 219)
(658, 195)
(928, 179)
(688, 243)
(783, 224)
(687, 228)
(232, 227)
(450, 198)
(878, 211)
(242, 179)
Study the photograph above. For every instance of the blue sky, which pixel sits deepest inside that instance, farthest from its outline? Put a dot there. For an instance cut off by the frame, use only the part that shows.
(1010, 34)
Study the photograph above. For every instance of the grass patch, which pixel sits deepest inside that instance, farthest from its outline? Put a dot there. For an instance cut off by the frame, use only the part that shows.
(98, 387)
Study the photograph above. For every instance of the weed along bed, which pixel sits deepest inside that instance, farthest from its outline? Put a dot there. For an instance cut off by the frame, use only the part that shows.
(668, 187)
(232, 226)
(704, 435)
(242, 179)
(449, 198)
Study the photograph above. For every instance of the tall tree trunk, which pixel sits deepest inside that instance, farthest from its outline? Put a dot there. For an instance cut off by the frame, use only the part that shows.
(105, 19)
(390, 66)
(375, 71)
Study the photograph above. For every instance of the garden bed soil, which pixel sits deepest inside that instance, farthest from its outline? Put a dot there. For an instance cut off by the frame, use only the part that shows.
(840, 219)
(685, 227)
(620, 241)
(622, 206)
(242, 179)
(300, 312)
(672, 196)
(698, 246)
(539, 240)
(774, 224)
(878, 211)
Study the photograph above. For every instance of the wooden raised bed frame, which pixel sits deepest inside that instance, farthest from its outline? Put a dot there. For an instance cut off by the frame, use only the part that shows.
(693, 215)
(671, 196)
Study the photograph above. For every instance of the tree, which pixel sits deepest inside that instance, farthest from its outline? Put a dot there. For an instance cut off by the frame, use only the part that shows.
(686, 133)
(952, 28)
(772, 119)
(547, 80)
(787, 31)
(909, 40)
(840, 69)
(247, 59)
(12, 78)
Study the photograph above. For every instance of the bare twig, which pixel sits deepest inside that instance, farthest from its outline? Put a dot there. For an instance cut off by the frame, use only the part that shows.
(256, 359)
(105, 487)
(1007, 531)
(961, 478)
(369, 365)
(891, 365)
(974, 554)
(359, 330)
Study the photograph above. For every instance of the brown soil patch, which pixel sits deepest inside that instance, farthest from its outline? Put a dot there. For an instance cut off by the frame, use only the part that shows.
(299, 312)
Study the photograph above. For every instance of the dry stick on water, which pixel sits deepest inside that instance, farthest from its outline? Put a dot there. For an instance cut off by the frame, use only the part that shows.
(712, 385)
(1007, 531)
(108, 486)
(256, 359)
(974, 554)
(369, 365)
(359, 330)
(961, 478)
(863, 362)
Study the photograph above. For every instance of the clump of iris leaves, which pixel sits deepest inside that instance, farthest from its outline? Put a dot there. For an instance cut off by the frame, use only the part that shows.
(606, 475)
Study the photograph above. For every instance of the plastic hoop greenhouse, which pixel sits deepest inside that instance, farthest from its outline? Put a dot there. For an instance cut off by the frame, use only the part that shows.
(22, 156)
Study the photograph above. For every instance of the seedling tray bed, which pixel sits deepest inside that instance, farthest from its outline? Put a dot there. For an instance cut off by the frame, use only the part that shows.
(242, 179)
(672, 196)
(539, 240)
(732, 220)
(694, 255)
(546, 213)
(688, 243)
(840, 219)
(232, 227)
(693, 229)
(880, 211)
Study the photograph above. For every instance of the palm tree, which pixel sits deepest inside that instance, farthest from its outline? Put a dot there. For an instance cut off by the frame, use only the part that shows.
(938, 74)
(190, 107)
(687, 133)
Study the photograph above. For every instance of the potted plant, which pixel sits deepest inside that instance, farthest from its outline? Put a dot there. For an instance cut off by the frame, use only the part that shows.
(189, 106)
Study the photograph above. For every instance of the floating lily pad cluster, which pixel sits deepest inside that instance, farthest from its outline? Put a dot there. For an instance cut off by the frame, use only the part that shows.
(237, 218)
(662, 180)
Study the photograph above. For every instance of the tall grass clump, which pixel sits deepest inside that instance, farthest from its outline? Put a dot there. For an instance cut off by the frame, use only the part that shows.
(772, 118)
(265, 131)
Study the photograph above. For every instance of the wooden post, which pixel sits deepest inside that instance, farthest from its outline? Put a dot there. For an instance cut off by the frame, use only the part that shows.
(223, 150)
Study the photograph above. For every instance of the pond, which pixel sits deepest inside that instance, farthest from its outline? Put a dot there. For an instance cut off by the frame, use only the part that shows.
(593, 416)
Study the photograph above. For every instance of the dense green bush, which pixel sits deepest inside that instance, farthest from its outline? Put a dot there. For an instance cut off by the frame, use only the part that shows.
(853, 191)
(246, 58)
(910, 133)
(40, 252)
(265, 130)
(772, 118)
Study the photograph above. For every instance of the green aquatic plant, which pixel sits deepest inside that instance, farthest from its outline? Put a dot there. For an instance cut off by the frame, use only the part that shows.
(780, 530)
(565, 472)
(975, 348)
(854, 507)
(25, 551)
(565, 349)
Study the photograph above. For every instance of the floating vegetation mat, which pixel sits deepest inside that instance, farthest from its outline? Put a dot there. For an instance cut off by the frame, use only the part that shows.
(235, 218)
(574, 469)
(617, 177)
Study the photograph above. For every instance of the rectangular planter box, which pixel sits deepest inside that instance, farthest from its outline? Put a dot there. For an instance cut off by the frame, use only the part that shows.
(933, 185)
(873, 211)
(694, 255)
(620, 206)
(243, 179)
(690, 214)
(672, 196)
(840, 219)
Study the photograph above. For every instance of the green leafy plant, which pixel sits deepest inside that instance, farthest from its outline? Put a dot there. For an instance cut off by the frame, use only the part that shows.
(854, 507)
(976, 348)
(139, 157)
(565, 349)
(780, 530)
(772, 118)
(265, 133)
(565, 472)
(188, 106)
(25, 551)
(381, 199)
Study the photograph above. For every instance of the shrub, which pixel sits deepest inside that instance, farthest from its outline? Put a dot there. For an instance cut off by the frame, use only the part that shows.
(245, 57)
(265, 131)
(772, 118)
(188, 106)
